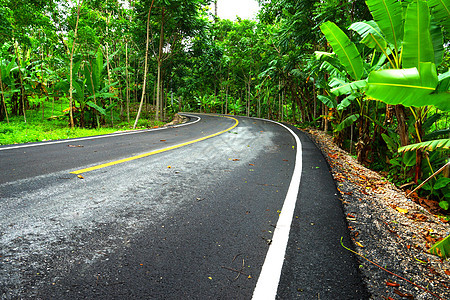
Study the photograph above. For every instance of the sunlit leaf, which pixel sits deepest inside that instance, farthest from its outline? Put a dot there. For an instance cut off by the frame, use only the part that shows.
(347, 122)
(429, 145)
(346, 51)
(402, 210)
(441, 248)
(417, 44)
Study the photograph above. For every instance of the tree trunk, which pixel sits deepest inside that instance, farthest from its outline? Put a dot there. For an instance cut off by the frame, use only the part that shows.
(158, 91)
(402, 127)
(419, 132)
(71, 66)
(109, 82)
(249, 96)
(226, 94)
(127, 93)
(215, 9)
(145, 66)
(315, 102)
(160, 50)
(22, 108)
(3, 109)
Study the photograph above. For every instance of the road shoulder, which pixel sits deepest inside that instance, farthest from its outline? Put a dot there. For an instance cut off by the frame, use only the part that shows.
(319, 268)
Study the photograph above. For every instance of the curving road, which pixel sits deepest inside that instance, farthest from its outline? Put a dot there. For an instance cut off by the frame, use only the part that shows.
(219, 208)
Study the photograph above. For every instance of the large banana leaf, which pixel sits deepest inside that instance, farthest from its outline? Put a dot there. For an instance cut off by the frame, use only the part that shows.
(329, 101)
(96, 107)
(342, 88)
(331, 69)
(344, 48)
(441, 12)
(444, 82)
(93, 73)
(371, 34)
(439, 100)
(408, 87)
(320, 54)
(347, 122)
(437, 133)
(388, 15)
(98, 67)
(345, 102)
(417, 44)
(429, 146)
(437, 39)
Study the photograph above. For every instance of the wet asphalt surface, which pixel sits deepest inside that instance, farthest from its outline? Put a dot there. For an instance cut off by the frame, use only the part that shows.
(190, 223)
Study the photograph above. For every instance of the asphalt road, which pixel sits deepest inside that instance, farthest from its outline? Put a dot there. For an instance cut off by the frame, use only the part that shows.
(193, 222)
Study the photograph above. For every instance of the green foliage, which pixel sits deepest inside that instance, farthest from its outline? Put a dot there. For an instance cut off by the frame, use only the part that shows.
(329, 101)
(347, 122)
(49, 127)
(346, 51)
(441, 12)
(441, 144)
(441, 248)
(388, 15)
(417, 45)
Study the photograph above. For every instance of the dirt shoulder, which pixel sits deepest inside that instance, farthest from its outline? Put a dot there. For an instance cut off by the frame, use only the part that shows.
(388, 229)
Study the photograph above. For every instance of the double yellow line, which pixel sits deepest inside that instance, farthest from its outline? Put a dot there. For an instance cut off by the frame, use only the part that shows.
(116, 162)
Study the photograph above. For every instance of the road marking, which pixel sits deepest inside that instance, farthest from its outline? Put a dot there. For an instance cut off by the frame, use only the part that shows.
(268, 281)
(98, 137)
(112, 163)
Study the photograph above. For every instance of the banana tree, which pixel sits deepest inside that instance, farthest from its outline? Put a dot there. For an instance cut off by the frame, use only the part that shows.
(94, 82)
(354, 68)
(411, 47)
(417, 84)
(414, 80)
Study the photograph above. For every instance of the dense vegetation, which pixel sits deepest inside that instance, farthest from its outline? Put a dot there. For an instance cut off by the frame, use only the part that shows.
(379, 84)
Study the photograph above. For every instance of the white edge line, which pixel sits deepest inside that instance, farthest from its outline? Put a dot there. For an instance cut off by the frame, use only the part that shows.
(98, 137)
(268, 281)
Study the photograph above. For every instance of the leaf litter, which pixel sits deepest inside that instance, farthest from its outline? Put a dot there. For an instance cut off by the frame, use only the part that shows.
(396, 232)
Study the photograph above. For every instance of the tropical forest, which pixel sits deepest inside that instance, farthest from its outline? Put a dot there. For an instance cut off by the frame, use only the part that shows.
(372, 74)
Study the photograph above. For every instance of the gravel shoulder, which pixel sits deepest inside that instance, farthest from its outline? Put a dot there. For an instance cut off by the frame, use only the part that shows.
(388, 229)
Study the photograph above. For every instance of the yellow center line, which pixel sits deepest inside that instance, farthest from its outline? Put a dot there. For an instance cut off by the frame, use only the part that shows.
(116, 162)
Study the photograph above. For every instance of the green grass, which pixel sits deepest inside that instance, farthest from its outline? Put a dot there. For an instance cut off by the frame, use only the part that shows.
(40, 128)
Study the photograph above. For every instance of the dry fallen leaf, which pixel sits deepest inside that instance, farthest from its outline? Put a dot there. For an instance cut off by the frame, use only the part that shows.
(359, 244)
(334, 156)
(402, 210)
(395, 284)
(419, 217)
(236, 159)
(404, 295)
